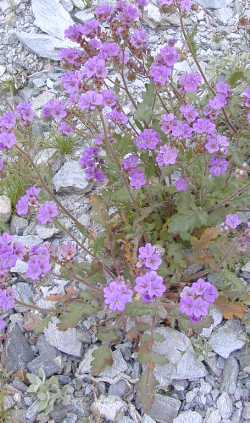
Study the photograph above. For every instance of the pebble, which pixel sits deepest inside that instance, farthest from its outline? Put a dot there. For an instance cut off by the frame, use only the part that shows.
(5, 208)
(70, 178)
(246, 410)
(230, 375)
(18, 352)
(228, 338)
(111, 408)
(188, 417)
(18, 225)
(65, 341)
(164, 408)
(213, 417)
(225, 406)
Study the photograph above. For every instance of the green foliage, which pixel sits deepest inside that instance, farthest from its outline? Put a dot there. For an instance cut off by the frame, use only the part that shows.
(102, 359)
(64, 145)
(144, 110)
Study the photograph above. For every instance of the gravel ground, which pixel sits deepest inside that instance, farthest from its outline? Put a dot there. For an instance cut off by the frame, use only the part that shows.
(210, 381)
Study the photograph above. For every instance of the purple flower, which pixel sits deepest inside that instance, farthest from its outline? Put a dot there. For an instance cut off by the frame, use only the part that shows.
(223, 88)
(189, 112)
(30, 199)
(95, 67)
(8, 121)
(74, 33)
(54, 109)
(150, 286)
(109, 50)
(181, 130)
(128, 13)
(139, 39)
(182, 185)
(103, 12)
(150, 257)
(218, 166)
(137, 179)
(47, 213)
(7, 140)
(167, 122)
(7, 299)
(167, 156)
(67, 251)
(25, 113)
(232, 221)
(149, 139)
(166, 3)
(204, 126)
(130, 162)
(71, 82)
(65, 129)
(142, 3)
(190, 82)
(10, 251)
(72, 56)
(246, 94)
(185, 5)
(160, 74)
(217, 143)
(117, 295)
(90, 101)
(2, 325)
(91, 162)
(39, 264)
(109, 98)
(90, 28)
(118, 118)
(168, 56)
(2, 166)
(196, 300)
(217, 103)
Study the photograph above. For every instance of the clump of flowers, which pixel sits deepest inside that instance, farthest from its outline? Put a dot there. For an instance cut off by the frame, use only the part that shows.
(197, 299)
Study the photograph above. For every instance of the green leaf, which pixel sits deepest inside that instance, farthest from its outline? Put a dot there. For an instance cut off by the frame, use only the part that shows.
(74, 313)
(137, 309)
(102, 359)
(145, 108)
(108, 335)
(184, 223)
(236, 76)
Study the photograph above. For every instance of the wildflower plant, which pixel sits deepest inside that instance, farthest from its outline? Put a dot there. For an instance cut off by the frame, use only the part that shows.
(169, 168)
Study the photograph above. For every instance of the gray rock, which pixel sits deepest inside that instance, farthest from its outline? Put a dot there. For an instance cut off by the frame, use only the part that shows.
(188, 417)
(17, 350)
(18, 225)
(51, 17)
(213, 417)
(110, 373)
(79, 4)
(225, 405)
(68, 5)
(225, 15)
(111, 408)
(24, 293)
(236, 417)
(213, 4)
(182, 362)
(147, 419)
(32, 412)
(43, 45)
(228, 338)
(217, 317)
(20, 267)
(70, 178)
(49, 359)
(120, 389)
(46, 232)
(153, 15)
(84, 15)
(246, 410)
(230, 375)
(29, 240)
(164, 408)
(246, 268)
(65, 341)
(212, 361)
(5, 208)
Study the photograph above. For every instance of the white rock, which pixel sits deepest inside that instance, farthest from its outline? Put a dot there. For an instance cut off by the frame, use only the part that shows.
(213, 417)
(217, 317)
(68, 5)
(5, 208)
(225, 405)
(246, 267)
(188, 417)
(44, 156)
(28, 240)
(21, 267)
(214, 4)
(79, 4)
(225, 14)
(182, 362)
(43, 45)
(147, 419)
(2, 70)
(228, 338)
(84, 15)
(65, 341)
(46, 232)
(51, 17)
(153, 15)
(111, 408)
(70, 178)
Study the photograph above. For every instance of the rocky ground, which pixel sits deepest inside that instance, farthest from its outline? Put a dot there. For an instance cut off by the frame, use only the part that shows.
(207, 378)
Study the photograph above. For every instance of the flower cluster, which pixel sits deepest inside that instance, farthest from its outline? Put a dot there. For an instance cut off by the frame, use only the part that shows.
(10, 251)
(29, 202)
(117, 295)
(39, 264)
(232, 221)
(131, 165)
(7, 302)
(162, 69)
(196, 300)
(91, 162)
